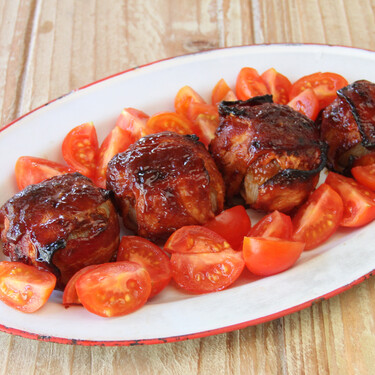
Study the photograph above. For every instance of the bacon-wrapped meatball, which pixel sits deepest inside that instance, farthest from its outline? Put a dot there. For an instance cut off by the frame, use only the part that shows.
(163, 182)
(348, 125)
(268, 153)
(61, 224)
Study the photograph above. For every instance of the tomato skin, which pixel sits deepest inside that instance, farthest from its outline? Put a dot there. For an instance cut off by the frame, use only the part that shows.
(232, 224)
(184, 97)
(249, 84)
(269, 256)
(148, 255)
(276, 224)
(80, 149)
(359, 201)
(306, 103)
(169, 121)
(221, 92)
(206, 272)
(114, 289)
(365, 175)
(278, 85)
(23, 287)
(133, 121)
(319, 217)
(31, 170)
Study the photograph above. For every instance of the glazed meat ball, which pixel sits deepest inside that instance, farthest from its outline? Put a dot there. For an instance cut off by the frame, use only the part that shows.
(268, 153)
(163, 182)
(61, 224)
(348, 125)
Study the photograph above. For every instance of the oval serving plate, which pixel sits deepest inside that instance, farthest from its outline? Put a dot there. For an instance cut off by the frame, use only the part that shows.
(345, 260)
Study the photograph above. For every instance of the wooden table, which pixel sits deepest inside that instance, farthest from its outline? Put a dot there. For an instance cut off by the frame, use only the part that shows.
(49, 47)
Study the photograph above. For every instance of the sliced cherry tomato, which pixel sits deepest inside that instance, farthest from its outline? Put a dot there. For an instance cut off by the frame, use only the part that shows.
(365, 175)
(278, 85)
(250, 84)
(32, 170)
(268, 256)
(319, 217)
(324, 85)
(195, 239)
(169, 121)
(184, 97)
(275, 224)
(114, 289)
(222, 92)
(148, 255)
(118, 140)
(367, 159)
(133, 121)
(23, 287)
(206, 272)
(359, 201)
(306, 103)
(232, 224)
(80, 149)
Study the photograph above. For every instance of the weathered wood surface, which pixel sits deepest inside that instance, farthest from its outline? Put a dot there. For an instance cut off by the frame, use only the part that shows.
(49, 47)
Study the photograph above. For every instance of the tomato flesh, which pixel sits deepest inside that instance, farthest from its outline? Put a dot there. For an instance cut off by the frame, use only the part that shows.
(184, 97)
(365, 175)
(306, 103)
(278, 85)
(249, 84)
(133, 121)
(221, 92)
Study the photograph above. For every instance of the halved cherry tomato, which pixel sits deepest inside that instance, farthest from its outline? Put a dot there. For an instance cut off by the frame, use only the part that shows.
(249, 84)
(233, 224)
(23, 287)
(169, 121)
(151, 257)
(306, 103)
(114, 289)
(367, 159)
(118, 140)
(324, 85)
(359, 201)
(221, 92)
(275, 224)
(32, 170)
(365, 175)
(206, 272)
(268, 256)
(278, 85)
(133, 121)
(194, 239)
(80, 149)
(317, 219)
(184, 97)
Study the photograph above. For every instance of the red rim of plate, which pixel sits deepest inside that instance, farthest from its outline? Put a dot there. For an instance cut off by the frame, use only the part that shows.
(197, 335)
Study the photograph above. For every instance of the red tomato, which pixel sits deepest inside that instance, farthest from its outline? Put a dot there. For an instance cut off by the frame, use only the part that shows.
(365, 175)
(221, 92)
(184, 97)
(306, 103)
(148, 255)
(169, 121)
(365, 159)
(268, 256)
(32, 170)
(278, 85)
(133, 121)
(250, 84)
(359, 201)
(275, 224)
(324, 85)
(319, 217)
(23, 287)
(233, 224)
(206, 272)
(80, 149)
(194, 239)
(118, 140)
(114, 289)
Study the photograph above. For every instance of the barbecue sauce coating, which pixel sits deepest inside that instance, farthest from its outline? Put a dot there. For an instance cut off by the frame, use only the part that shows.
(62, 224)
(163, 182)
(268, 153)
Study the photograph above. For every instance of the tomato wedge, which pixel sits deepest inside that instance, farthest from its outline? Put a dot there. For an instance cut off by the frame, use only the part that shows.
(80, 149)
(23, 287)
(32, 170)
(184, 97)
(324, 85)
(221, 92)
(365, 175)
(133, 121)
(359, 201)
(206, 272)
(151, 257)
(268, 256)
(169, 121)
(232, 224)
(114, 289)
(249, 84)
(319, 217)
(276, 224)
(278, 85)
(306, 103)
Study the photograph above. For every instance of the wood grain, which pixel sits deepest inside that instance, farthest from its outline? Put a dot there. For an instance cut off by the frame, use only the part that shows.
(50, 47)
